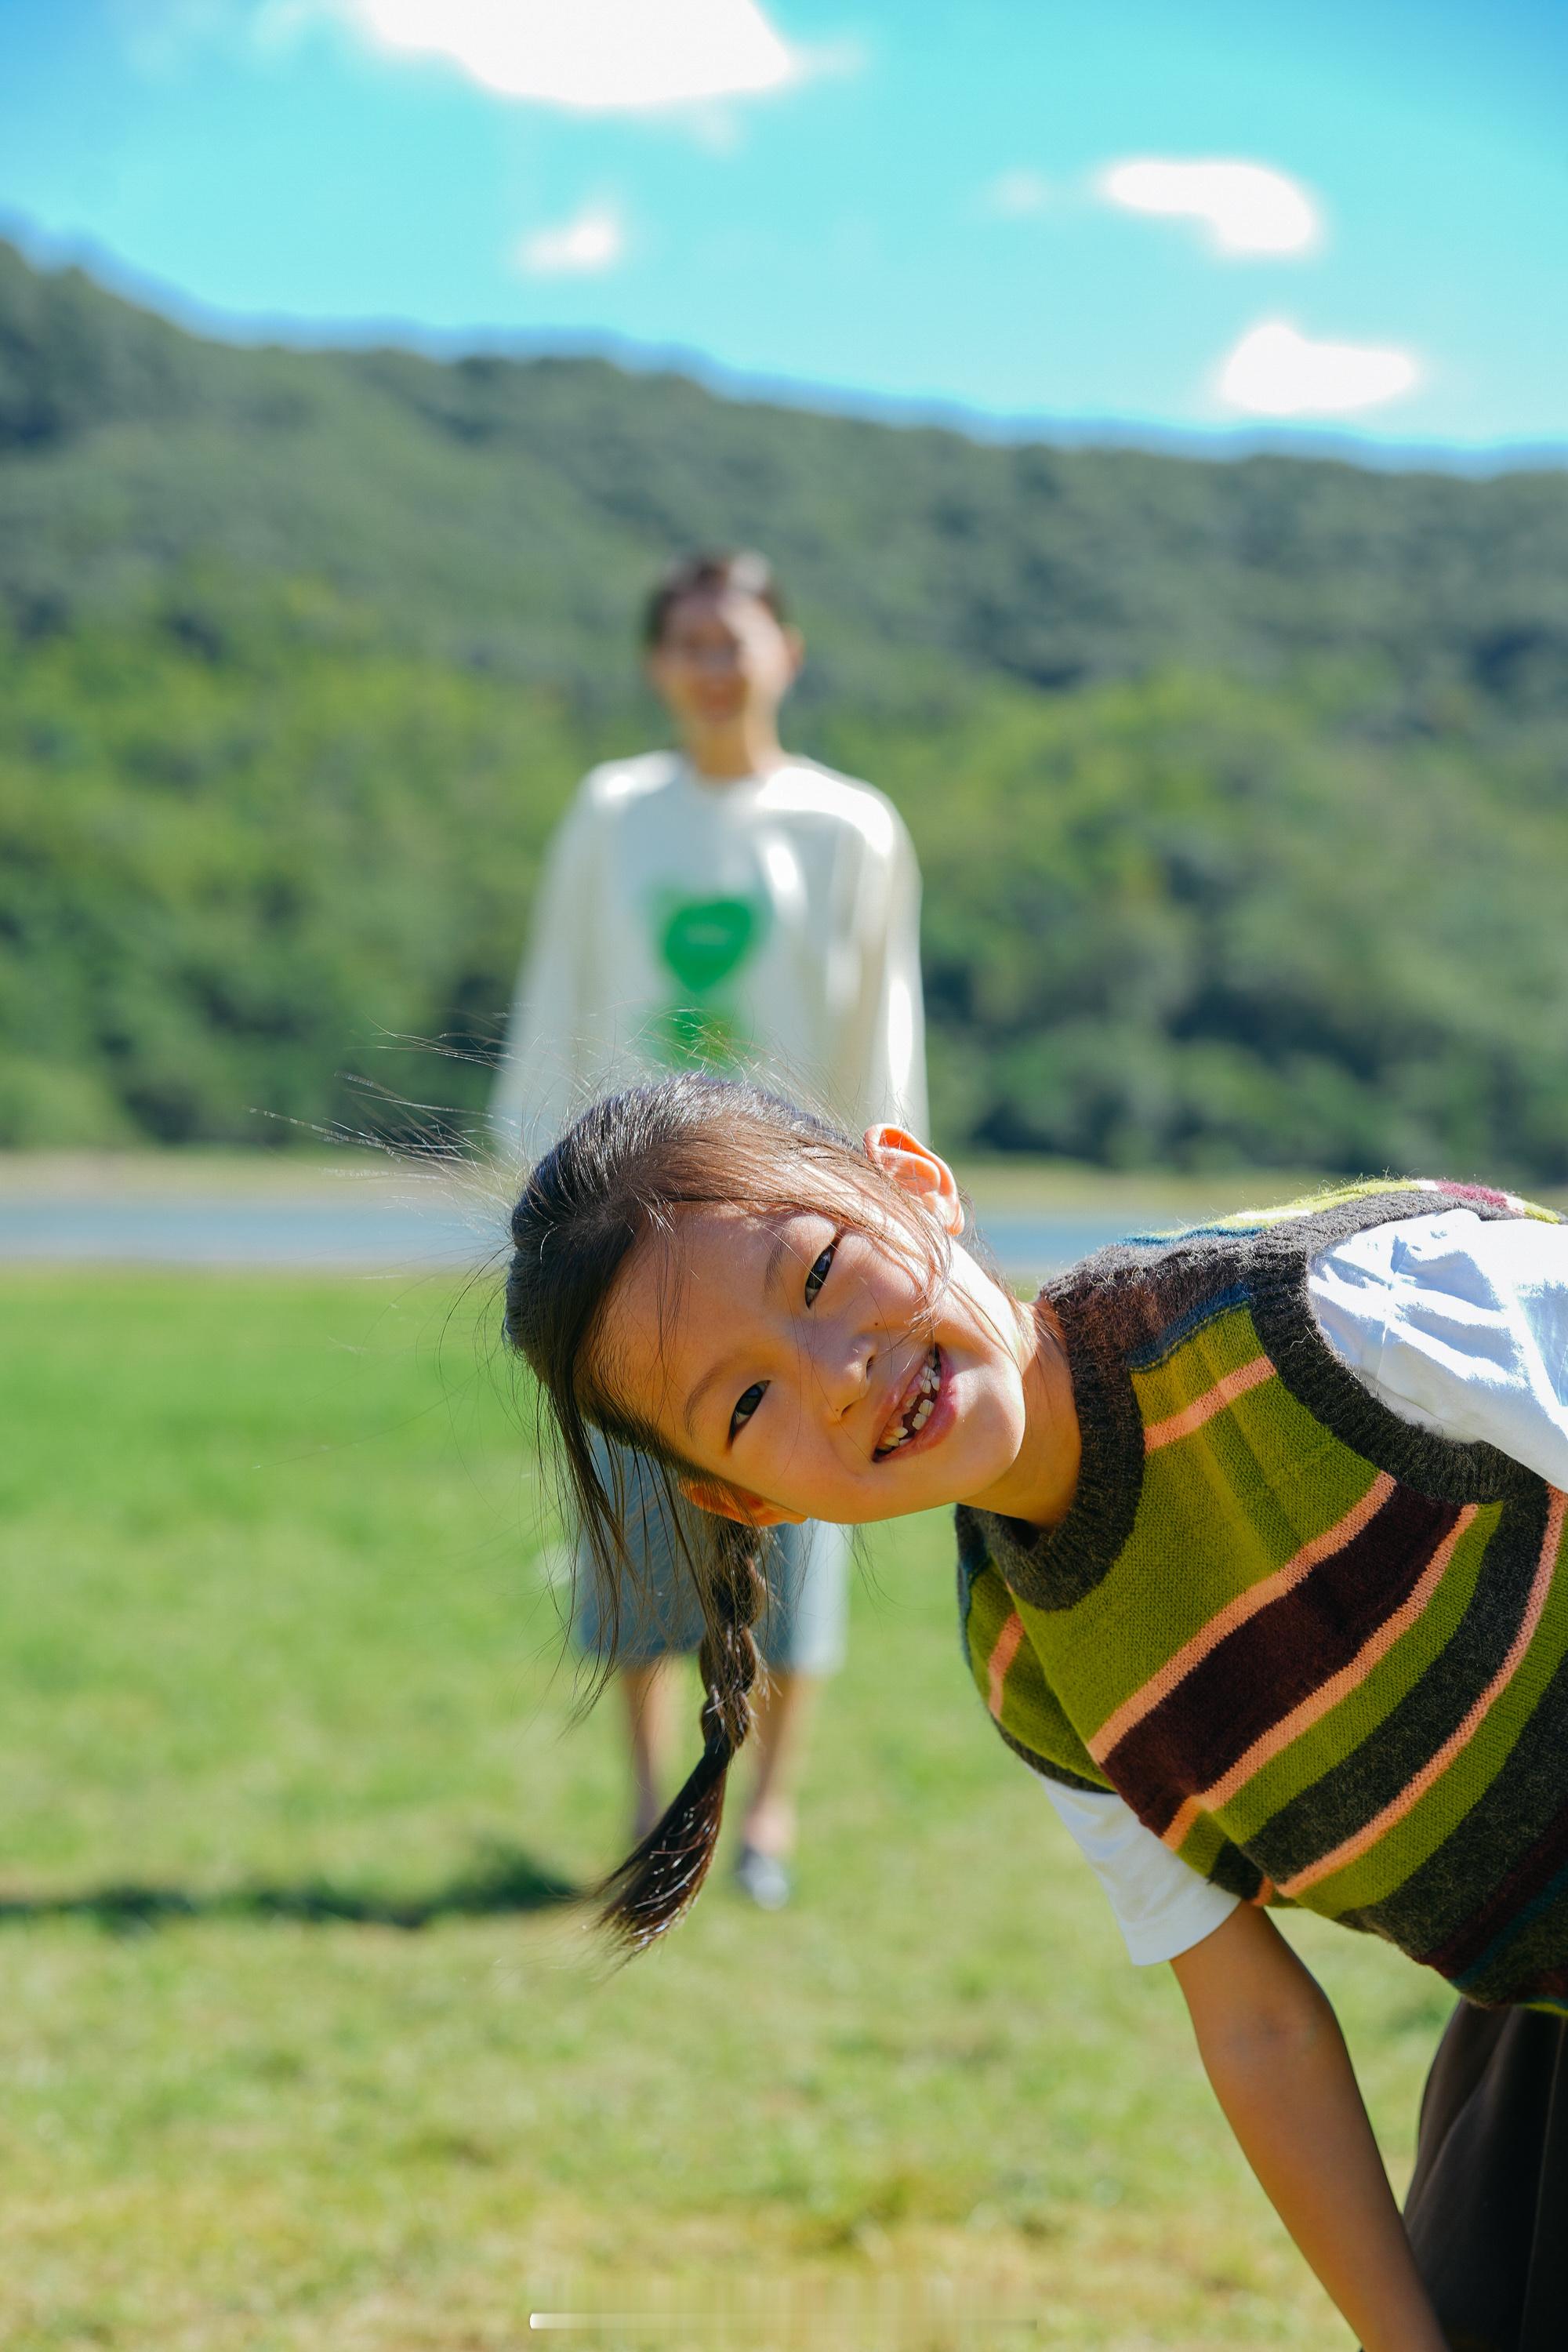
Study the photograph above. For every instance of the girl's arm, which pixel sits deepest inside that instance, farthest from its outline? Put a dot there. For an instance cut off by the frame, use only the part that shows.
(1272, 2049)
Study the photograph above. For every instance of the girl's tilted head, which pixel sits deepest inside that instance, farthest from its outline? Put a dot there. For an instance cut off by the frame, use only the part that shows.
(776, 1314)
(779, 1317)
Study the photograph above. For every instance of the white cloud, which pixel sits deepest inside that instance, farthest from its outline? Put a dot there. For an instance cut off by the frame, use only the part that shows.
(598, 56)
(1275, 370)
(1249, 208)
(583, 248)
(1012, 195)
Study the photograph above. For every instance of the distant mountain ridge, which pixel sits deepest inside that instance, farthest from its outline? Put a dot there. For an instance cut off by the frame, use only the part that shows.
(1241, 786)
(560, 482)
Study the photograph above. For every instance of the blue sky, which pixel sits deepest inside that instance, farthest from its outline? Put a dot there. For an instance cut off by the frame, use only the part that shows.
(945, 203)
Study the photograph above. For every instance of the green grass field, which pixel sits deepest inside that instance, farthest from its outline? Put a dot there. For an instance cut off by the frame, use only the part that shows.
(296, 2051)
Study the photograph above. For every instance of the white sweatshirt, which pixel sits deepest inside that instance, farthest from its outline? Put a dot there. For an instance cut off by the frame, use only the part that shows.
(770, 925)
(1459, 1325)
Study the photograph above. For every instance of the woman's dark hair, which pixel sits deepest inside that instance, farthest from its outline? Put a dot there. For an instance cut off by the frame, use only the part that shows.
(709, 573)
(623, 1171)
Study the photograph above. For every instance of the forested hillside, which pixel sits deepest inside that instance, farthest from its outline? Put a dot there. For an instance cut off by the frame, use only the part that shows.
(1242, 789)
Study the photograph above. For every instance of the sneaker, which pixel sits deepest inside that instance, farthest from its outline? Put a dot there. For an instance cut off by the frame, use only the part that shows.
(763, 1877)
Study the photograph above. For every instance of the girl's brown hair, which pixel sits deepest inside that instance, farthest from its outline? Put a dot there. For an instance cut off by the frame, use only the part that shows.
(623, 1171)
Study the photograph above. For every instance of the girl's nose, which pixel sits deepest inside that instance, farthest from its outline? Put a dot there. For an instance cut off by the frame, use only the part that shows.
(843, 1360)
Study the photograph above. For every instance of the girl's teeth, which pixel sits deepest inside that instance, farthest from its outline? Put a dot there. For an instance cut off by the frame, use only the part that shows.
(916, 1414)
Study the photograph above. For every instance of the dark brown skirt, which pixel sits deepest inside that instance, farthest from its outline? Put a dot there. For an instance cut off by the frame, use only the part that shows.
(1488, 2209)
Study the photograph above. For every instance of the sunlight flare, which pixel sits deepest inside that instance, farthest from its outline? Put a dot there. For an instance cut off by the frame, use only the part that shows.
(1016, 194)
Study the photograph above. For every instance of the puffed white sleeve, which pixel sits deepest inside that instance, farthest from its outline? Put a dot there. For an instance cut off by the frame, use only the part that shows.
(884, 1040)
(1159, 1904)
(1458, 1324)
(537, 1081)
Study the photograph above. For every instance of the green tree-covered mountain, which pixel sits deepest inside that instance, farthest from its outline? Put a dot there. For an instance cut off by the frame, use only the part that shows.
(1241, 788)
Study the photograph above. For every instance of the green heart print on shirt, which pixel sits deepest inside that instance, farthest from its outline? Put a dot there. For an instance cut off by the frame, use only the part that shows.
(702, 944)
(703, 941)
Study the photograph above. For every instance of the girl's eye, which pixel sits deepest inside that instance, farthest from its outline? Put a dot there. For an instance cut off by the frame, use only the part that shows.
(746, 1407)
(818, 1274)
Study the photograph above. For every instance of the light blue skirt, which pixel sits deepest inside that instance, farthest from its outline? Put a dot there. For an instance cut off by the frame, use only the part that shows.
(801, 1631)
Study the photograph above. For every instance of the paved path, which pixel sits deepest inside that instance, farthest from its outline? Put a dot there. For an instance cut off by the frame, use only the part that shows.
(86, 1212)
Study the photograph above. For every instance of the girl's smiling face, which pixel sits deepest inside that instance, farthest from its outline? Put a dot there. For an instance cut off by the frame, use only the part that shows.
(803, 1366)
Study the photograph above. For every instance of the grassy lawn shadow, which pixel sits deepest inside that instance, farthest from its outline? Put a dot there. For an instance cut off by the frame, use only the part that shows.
(506, 1880)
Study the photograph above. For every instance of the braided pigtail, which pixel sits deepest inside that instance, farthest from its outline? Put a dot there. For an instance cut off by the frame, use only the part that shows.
(659, 1878)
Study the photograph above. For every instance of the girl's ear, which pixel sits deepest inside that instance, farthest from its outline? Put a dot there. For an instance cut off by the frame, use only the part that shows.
(916, 1169)
(736, 1503)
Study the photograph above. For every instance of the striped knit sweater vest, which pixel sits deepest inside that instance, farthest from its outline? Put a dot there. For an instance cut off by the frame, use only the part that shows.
(1321, 1654)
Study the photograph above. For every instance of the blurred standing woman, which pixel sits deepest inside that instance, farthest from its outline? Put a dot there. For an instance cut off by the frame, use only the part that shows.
(724, 905)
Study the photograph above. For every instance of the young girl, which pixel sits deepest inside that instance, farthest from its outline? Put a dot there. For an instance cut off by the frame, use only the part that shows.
(1259, 1529)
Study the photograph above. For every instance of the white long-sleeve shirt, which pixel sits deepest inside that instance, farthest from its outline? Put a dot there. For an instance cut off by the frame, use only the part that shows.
(770, 924)
(1456, 1324)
